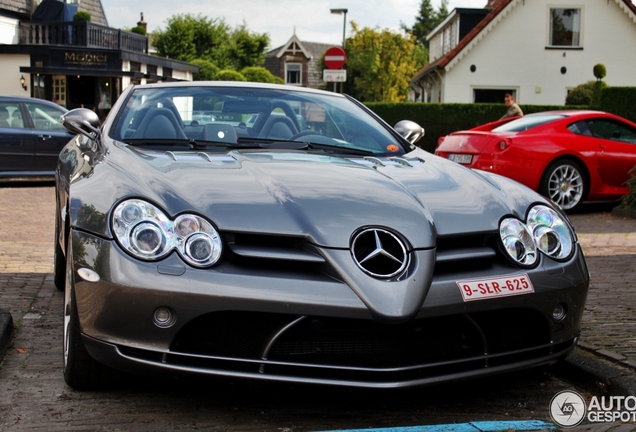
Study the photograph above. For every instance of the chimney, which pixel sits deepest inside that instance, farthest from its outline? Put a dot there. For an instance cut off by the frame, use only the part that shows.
(143, 23)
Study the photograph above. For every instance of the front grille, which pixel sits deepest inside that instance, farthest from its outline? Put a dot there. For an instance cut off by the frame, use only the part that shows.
(336, 349)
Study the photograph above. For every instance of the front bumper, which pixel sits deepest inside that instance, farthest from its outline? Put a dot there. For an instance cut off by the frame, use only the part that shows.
(313, 328)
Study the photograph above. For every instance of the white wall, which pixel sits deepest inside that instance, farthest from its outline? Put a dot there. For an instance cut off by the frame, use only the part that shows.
(514, 55)
(9, 31)
(10, 74)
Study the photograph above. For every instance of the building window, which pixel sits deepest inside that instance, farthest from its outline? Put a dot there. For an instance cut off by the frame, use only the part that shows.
(59, 90)
(293, 73)
(491, 95)
(565, 27)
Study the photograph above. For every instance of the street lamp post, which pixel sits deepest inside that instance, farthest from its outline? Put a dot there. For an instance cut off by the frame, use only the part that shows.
(344, 29)
(344, 26)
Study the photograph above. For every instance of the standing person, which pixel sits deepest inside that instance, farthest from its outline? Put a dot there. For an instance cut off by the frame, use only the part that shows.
(513, 109)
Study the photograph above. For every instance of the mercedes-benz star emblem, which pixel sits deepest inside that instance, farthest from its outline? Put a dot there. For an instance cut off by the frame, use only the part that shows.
(379, 253)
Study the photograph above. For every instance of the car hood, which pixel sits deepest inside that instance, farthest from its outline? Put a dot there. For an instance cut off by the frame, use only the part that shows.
(322, 198)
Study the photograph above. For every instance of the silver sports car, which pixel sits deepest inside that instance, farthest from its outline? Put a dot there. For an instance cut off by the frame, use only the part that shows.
(290, 234)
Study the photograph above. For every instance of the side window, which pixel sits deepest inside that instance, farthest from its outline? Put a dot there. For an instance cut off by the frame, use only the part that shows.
(580, 128)
(45, 117)
(11, 116)
(611, 130)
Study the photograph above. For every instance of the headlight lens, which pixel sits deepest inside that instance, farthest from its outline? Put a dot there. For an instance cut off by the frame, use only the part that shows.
(146, 232)
(518, 241)
(545, 230)
(551, 233)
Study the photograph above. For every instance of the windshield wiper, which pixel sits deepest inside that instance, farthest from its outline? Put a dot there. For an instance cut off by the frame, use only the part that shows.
(332, 148)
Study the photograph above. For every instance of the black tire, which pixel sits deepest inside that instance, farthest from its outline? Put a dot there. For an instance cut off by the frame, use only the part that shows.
(81, 371)
(565, 183)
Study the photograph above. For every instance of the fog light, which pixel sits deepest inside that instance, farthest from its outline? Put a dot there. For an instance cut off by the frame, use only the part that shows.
(559, 312)
(164, 317)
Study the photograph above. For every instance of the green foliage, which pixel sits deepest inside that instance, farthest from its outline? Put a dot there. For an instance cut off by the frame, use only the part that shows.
(426, 20)
(600, 71)
(629, 200)
(260, 74)
(230, 75)
(583, 94)
(188, 37)
(139, 30)
(380, 64)
(82, 16)
(619, 101)
(246, 48)
(207, 70)
(439, 120)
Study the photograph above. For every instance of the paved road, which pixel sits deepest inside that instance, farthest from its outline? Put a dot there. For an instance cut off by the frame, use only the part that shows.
(33, 395)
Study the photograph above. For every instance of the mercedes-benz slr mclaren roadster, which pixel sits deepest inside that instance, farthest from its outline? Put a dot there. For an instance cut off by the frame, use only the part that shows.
(282, 233)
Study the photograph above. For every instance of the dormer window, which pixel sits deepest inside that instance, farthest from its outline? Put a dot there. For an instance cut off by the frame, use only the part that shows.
(565, 27)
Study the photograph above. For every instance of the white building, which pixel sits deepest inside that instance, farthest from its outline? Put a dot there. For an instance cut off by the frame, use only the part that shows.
(538, 49)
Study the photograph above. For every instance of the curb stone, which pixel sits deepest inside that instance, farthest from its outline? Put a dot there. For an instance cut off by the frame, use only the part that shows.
(6, 331)
(597, 374)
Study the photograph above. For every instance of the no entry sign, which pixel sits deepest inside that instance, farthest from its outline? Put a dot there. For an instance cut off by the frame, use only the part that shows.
(335, 58)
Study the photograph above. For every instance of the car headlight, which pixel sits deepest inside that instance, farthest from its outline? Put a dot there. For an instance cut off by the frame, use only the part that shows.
(545, 230)
(518, 241)
(551, 233)
(147, 233)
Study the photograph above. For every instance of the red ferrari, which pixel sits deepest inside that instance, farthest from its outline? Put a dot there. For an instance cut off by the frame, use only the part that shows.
(569, 156)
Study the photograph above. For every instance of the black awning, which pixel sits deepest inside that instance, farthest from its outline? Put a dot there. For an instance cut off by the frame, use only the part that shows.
(80, 71)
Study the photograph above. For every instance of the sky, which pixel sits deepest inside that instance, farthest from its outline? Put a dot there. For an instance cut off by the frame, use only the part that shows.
(310, 19)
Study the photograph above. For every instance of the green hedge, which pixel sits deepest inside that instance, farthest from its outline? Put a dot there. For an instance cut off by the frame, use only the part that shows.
(441, 119)
(619, 101)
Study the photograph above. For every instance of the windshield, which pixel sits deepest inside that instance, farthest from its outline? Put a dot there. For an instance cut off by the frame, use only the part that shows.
(238, 116)
(524, 123)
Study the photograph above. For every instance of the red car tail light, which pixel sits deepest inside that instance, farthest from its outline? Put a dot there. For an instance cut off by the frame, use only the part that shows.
(504, 144)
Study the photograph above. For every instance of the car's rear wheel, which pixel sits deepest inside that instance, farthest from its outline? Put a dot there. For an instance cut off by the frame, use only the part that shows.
(565, 183)
(81, 371)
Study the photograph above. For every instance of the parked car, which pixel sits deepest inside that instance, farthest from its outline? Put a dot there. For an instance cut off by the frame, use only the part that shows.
(31, 137)
(569, 156)
(339, 255)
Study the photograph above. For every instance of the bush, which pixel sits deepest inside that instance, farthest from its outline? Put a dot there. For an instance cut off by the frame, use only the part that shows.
(629, 200)
(580, 95)
(138, 30)
(82, 16)
(260, 74)
(619, 101)
(229, 75)
(600, 71)
(208, 71)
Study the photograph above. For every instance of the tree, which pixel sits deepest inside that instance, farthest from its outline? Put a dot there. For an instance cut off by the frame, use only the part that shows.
(246, 48)
(380, 64)
(188, 37)
(427, 19)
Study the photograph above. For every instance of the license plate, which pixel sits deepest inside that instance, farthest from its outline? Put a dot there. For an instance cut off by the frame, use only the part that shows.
(461, 158)
(481, 289)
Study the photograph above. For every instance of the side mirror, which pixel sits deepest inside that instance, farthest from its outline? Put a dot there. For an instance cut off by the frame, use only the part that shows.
(82, 121)
(410, 130)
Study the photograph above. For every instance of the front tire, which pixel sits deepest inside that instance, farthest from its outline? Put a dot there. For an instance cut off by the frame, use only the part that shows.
(81, 371)
(564, 182)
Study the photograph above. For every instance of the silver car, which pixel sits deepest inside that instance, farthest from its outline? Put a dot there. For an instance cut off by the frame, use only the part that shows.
(325, 250)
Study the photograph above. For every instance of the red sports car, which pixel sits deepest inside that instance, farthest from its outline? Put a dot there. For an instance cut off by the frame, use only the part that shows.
(570, 156)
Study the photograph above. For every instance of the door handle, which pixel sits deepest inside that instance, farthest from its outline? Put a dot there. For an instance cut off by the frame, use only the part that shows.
(45, 137)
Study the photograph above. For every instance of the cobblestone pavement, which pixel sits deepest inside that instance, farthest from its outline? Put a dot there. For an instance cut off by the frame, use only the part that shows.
(27, 291)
